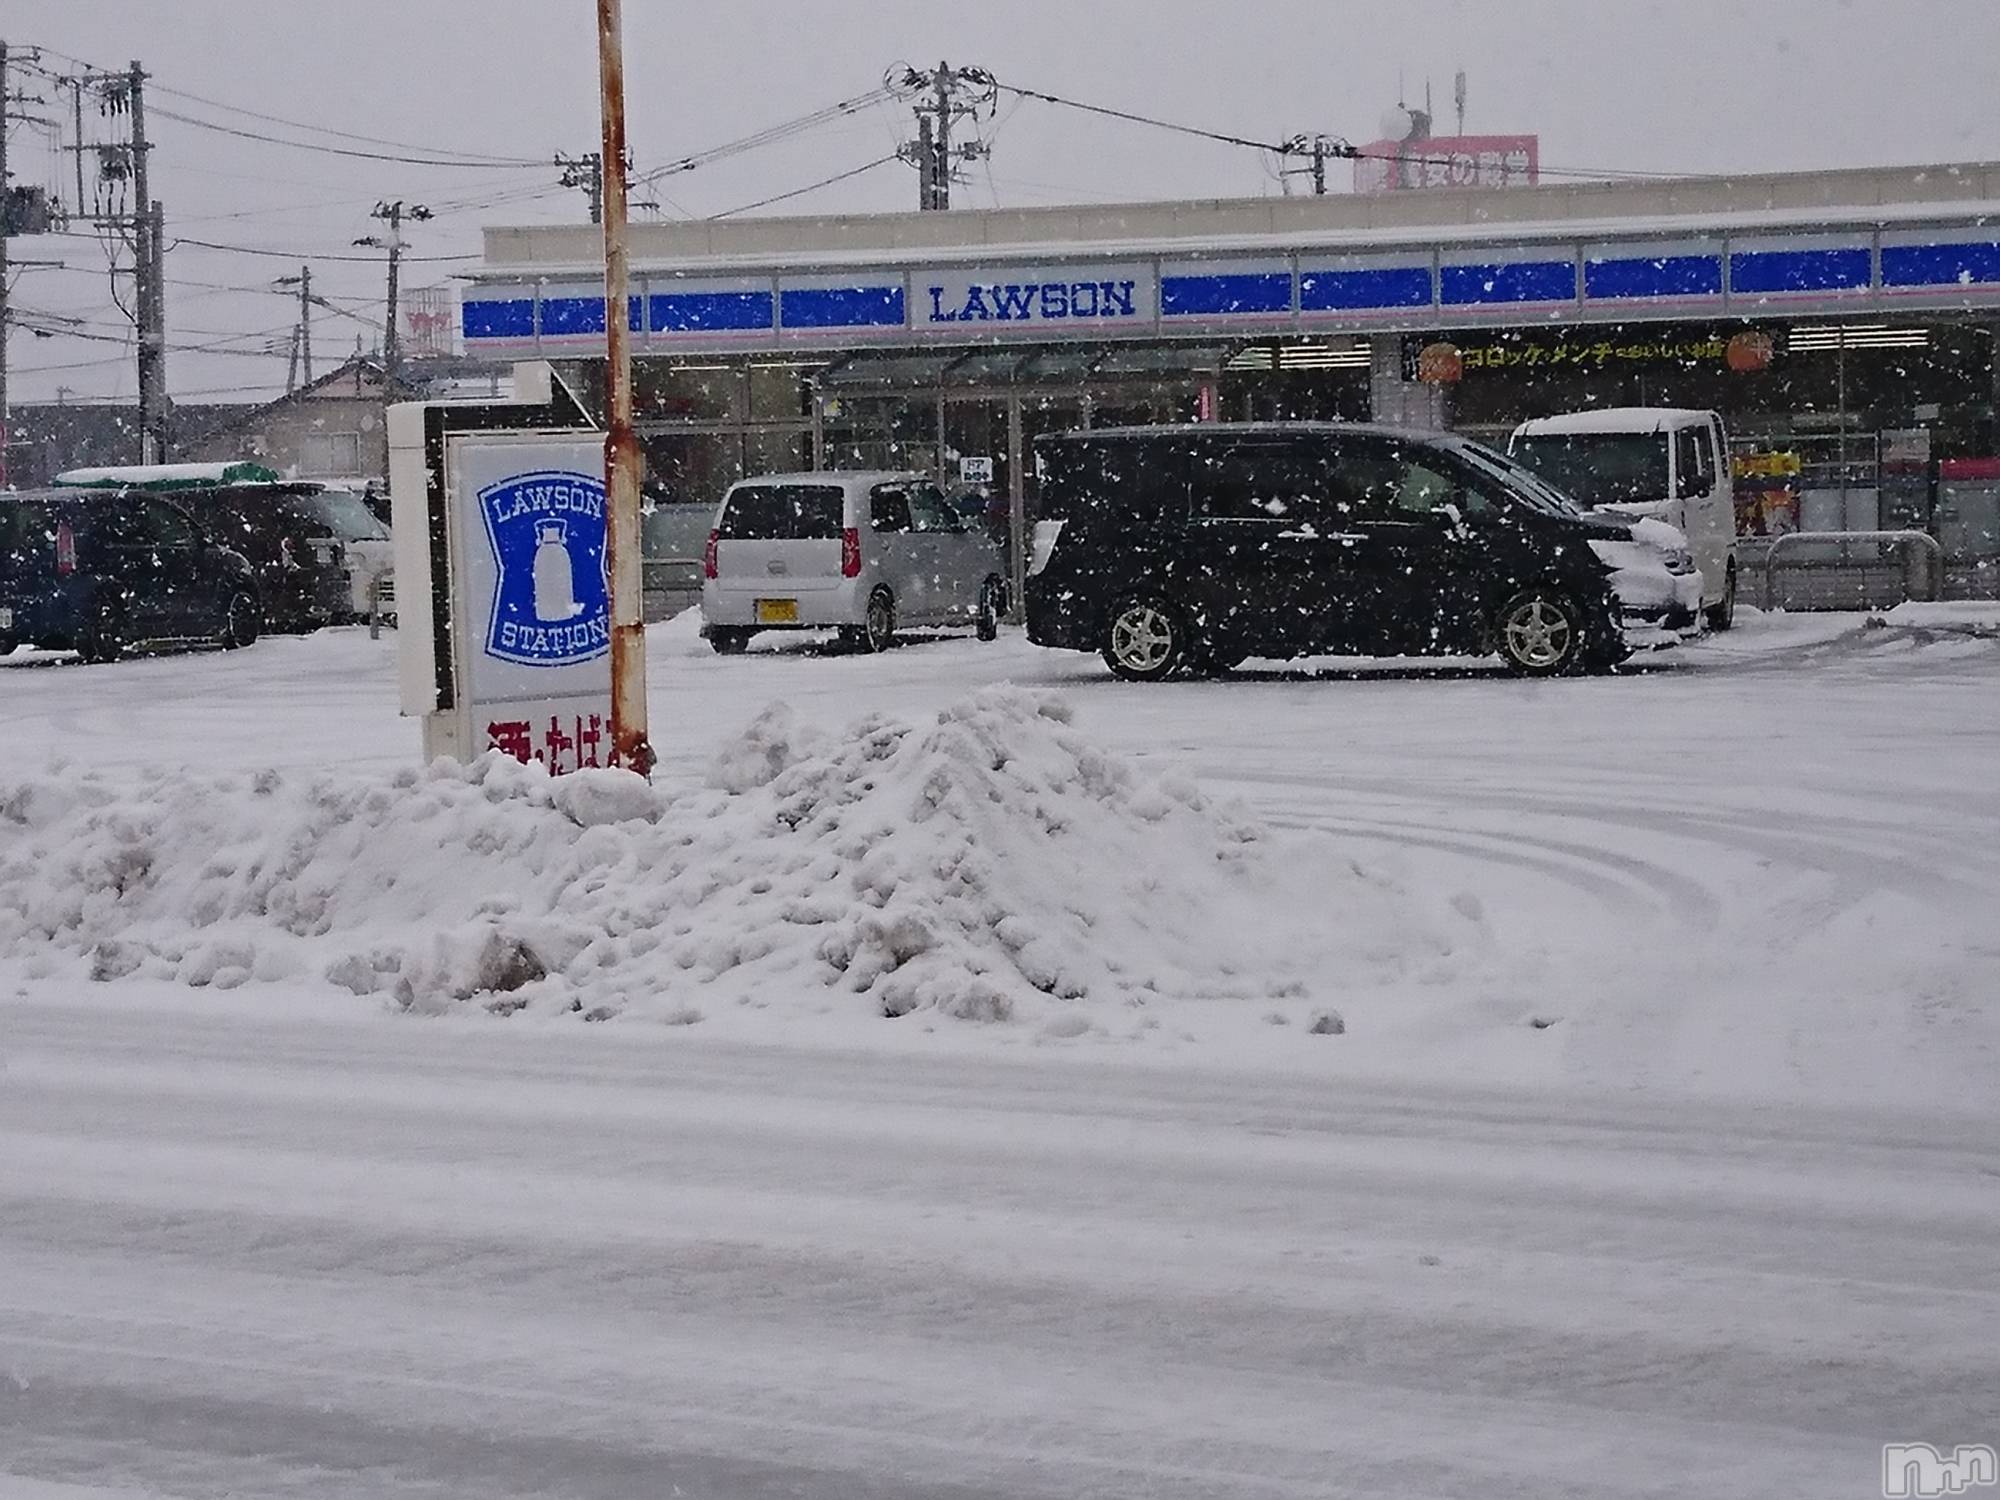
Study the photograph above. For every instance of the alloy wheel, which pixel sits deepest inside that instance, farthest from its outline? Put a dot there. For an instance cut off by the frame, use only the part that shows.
(1539, 633)
(1142, 639)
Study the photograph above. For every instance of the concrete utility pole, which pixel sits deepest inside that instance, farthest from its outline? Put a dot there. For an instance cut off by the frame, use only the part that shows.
(4, 226)
(953, 93)
(630, 744)
(150, 306)
(586, 172)
(393, 215)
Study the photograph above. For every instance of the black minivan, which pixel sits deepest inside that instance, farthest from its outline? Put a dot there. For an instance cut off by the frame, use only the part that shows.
(1184, 550)
(98, 572)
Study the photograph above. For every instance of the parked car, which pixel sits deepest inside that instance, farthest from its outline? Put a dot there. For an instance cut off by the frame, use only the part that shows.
(1661, 462)
(99, 573)
(1186, 549)
(867, 553)
(321, 557)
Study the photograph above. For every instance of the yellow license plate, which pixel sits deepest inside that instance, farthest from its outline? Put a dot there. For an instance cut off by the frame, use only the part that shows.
(777, 611)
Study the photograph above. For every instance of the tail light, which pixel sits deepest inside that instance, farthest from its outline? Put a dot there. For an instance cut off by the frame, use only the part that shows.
(708, 569)
(65, 549)
(850, 553)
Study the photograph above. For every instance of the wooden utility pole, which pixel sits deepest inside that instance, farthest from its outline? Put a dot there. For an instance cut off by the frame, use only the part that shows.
(629, 740)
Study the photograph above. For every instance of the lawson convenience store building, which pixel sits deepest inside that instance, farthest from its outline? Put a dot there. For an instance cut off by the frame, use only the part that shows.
(1844, 321)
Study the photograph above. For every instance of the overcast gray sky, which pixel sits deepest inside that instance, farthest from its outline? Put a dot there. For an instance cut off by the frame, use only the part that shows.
(1653, 85)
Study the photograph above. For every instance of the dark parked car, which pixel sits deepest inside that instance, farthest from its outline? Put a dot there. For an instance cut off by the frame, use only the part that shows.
(316, 547)
(1184, 550)
(99, 572)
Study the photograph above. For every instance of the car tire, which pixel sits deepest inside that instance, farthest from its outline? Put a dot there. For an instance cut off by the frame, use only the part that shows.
(729, 642)
(1145, 639)
(1722, 616)
(877, 630)
(241, 621)
(105, 639)
(991, 594)
(1540, 633)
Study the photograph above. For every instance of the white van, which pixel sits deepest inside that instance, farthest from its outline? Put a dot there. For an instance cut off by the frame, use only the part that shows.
(866, 553)
(1664, 462)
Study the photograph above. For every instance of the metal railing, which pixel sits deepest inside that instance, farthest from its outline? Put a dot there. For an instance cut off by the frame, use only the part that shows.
(1928, 545)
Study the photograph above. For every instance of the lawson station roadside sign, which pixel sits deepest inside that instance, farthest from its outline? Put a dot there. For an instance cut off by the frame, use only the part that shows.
(1819, 268)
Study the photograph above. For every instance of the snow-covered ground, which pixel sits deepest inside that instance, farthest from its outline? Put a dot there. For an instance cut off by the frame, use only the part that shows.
(970, 1113)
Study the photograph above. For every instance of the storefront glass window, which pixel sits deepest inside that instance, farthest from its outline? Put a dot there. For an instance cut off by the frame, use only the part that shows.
(694, 393)
(780, 393)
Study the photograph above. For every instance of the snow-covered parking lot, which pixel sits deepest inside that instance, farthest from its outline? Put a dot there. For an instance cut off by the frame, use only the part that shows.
(1379, 1080)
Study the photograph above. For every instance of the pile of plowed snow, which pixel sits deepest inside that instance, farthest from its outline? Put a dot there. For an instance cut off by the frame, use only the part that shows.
(989, 864)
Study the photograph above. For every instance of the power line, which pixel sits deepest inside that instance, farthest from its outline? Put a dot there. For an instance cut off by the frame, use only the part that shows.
(1136, 119)
(813, 187)
(473, 158)
(310, 254)
(349, 151)
(769, 135)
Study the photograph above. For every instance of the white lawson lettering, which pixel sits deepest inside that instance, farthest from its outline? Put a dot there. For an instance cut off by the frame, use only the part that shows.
(1033, 302)
(1918, 1469)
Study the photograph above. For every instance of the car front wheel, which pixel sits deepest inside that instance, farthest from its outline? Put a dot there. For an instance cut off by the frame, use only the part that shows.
(1144, 639)
(877, 631)
(1723, 615)
(991, 592)
(1541, 634)
(241, 621)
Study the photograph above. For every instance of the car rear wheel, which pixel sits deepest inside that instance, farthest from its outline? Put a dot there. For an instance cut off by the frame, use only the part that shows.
(105, 639)
(241, 622)
(1722, 616)
(877, 631)
(1541, 634)
(991, 593)
(729, 642)
(1144, 639)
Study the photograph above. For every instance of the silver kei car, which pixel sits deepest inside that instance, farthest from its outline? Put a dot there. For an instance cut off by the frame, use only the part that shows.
(864, 552)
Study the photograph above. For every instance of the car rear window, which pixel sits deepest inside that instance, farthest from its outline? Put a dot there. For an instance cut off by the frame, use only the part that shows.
(781, 513)
(1123, 477)
(26, 530)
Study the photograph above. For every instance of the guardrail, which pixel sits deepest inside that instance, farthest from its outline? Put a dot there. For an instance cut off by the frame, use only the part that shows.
(1924, 541)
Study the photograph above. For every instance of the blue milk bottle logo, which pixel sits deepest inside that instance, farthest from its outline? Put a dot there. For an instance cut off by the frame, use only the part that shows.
(551, 604)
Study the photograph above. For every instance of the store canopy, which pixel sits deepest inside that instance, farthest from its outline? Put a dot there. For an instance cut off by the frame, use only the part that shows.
(1071, 364)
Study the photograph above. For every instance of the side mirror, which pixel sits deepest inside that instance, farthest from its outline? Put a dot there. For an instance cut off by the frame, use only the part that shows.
(1457, 529)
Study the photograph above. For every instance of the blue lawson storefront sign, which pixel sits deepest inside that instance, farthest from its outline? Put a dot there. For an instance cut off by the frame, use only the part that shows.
(1604, 279)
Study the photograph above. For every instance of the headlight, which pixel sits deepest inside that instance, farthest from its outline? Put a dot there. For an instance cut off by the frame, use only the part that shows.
(1621, 556)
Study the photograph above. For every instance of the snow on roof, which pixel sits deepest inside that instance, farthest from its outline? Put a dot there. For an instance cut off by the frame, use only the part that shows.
(1616, 419)
(1385, 237)
(166, 476)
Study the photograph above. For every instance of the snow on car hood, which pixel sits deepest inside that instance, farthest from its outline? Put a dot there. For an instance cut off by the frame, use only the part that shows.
(988, 863)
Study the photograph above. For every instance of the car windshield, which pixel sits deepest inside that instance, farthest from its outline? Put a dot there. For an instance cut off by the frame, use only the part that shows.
(1598, 468)
(345, 515)
(781, 513)
(1523, 484)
